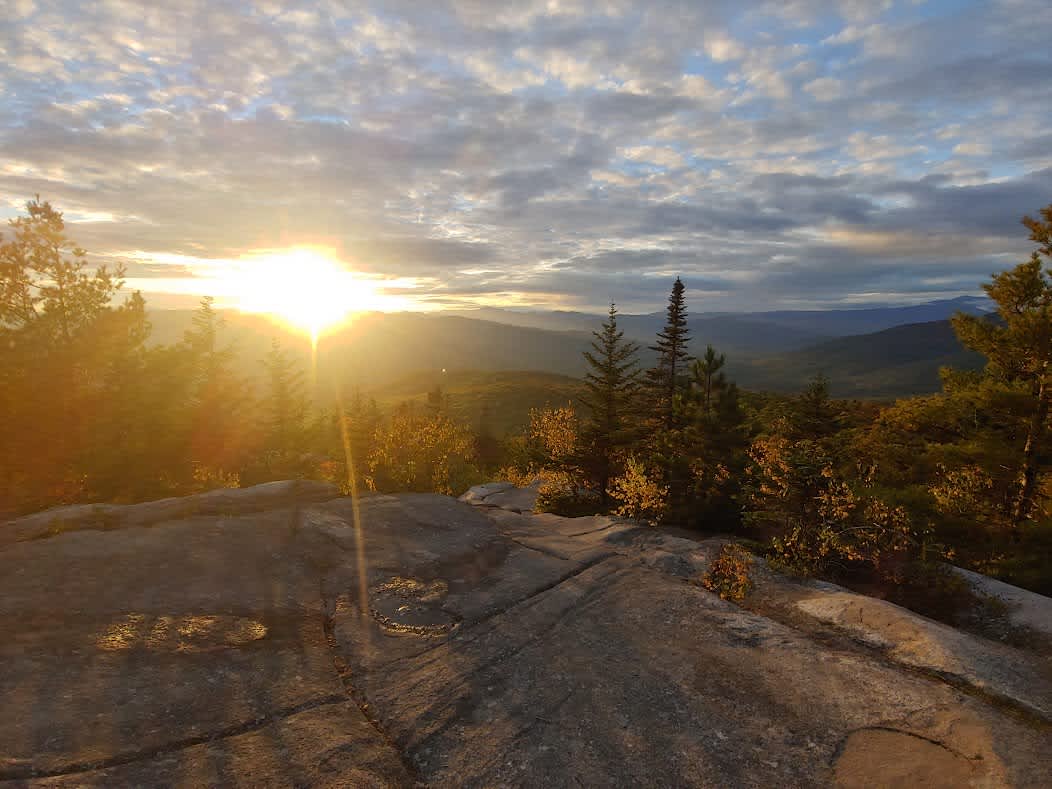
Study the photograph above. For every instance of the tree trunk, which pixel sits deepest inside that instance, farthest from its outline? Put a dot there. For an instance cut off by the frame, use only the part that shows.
(1034, 437)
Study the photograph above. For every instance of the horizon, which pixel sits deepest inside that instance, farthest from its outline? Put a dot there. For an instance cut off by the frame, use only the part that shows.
(969, 298)
(810, 156)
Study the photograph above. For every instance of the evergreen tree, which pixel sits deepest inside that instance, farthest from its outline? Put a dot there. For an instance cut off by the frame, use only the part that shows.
(1018, 348)
(665, 378)
(487, 445)
(707, 375)
(611, 385)
(356, 433)
(713, 444)
(437, 401)
(61, 341)
(812, 414)
(118, 459)
(285, 404)
(217, 401)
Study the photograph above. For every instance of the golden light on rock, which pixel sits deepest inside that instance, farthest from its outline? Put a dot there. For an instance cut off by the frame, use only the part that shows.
(184, 633)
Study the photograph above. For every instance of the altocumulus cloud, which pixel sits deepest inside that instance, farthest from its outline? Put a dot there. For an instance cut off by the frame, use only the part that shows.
(544, 152)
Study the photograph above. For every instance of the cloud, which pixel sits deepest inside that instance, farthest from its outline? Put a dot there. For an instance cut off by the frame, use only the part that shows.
(972, 149)
(814, 151)
(825, 88)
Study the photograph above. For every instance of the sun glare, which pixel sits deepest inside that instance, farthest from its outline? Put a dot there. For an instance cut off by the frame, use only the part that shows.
(305, 287)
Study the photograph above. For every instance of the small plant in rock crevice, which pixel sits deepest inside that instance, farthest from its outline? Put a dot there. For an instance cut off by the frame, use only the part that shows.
(730, 575)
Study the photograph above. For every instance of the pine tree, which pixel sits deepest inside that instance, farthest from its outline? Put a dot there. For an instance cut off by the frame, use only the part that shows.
(1018, 348)
(611, 386)
(665, 378)
(707, 375)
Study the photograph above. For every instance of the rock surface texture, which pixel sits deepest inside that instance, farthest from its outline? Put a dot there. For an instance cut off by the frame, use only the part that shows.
(287, 636)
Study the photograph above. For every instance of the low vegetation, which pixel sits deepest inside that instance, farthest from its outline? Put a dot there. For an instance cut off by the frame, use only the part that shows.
(730, 575)
(871, 494)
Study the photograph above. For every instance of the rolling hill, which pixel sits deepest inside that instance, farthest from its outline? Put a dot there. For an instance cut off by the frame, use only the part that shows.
(904, 360)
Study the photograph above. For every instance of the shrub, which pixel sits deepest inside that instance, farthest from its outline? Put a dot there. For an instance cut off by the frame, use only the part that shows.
(730, 574)
(846, 529)
(424, 453)
(210, 478)
(638, 494)
(561, 494)
(516, 476)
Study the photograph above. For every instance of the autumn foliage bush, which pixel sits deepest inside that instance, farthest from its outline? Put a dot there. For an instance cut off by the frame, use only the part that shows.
(821, 523)
(730, 574)
(639, 494)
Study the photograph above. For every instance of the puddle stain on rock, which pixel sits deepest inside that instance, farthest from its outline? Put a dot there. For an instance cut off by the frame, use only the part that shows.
(411, 606)
(885, 757)
(183, 633)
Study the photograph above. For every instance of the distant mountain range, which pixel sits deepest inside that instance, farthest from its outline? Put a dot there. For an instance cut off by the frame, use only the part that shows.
(870, 352)
(753, 331)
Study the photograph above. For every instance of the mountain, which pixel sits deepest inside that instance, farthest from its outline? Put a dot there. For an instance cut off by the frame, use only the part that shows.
(896, 362)
(747, 333)
(551, 320)
(376, 349)
(845, 322)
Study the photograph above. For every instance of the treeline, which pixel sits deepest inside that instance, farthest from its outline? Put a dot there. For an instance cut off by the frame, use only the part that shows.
(92, 412)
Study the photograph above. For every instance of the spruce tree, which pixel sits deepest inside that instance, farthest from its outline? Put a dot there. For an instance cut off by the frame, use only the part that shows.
(664, 378)
(611, 385)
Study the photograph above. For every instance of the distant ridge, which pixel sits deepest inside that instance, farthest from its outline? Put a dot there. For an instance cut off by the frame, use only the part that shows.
(749, 332)
(895, 362)
(776, 351)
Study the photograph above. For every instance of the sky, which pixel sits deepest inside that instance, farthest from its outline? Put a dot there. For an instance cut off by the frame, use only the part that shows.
(543, 153)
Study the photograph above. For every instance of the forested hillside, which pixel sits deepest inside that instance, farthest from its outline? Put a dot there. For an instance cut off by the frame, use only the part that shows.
(498, 402)
(897, 362)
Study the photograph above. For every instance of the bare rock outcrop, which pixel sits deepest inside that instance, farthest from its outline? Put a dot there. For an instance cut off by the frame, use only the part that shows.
(414, 639)
(504, 495)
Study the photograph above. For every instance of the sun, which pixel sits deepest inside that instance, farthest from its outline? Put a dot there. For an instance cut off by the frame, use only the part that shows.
(304, 287)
